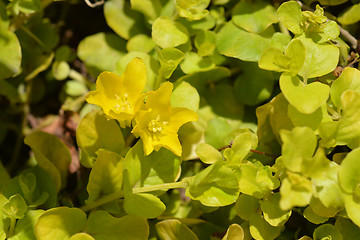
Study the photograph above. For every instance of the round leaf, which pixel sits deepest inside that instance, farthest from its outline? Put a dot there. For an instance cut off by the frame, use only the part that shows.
(234, 42)
(61, 222)
(305, 98)
(102, 225)
(174, 229)
(167, 33)
(254, 16)
(95, 132)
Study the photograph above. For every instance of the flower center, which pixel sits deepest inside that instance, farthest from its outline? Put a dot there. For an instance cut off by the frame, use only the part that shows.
(156, 125)
(121, 104)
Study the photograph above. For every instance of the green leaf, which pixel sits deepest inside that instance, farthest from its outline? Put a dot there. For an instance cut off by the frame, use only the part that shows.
(157, 168)
(81, 236)
(10, 57)
(291, 61)
(246, 205)
(140, 43)
(205, 43)
(150, 8)
(124, 21)
(208, 154)
(311, 120)
(101, 225)
(261, 230)
(61, 222)
(350, 16)
(318, 208)
(253, 85)
(290, 16)
(272, 212)
(151, 65)
(105, 176)
(234, 231)
(348, 80)
(234, 42)
(194, 63)
(196, 26)
(101, 51)
(216, 185)
(328, 189)
(313, 217)
(320, 58)
(169, 59)
(306, 98)
(51, 154)
(95, 132)
(347, 228)
(332, 2)
(167, 33)
(60, 70)
(348, 174)
(15, 207)
(327, 231)
(143, 205)
(174, 229)
(27, 184)
(241, 147)
(223, 102)
(254, 17)
(256, 180)
(298, 145)
(75, 88)
(45, 186)
(25, 227)
(26, 6)
(218, 133)
(345, 130)
(295, 190)
(192, 10)
(185, 95)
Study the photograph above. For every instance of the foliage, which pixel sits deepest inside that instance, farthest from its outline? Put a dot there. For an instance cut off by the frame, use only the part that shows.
(179, 119)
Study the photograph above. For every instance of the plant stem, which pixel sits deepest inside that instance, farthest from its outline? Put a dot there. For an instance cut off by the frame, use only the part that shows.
(12, 227)
(36, 39)
(164, 186)
(116, 195)
(101, 201)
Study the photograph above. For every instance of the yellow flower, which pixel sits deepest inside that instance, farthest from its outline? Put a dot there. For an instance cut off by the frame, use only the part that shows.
(158, 124)
(120, 96)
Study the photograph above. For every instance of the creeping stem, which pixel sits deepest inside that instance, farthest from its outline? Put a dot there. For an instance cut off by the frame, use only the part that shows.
(120, 194)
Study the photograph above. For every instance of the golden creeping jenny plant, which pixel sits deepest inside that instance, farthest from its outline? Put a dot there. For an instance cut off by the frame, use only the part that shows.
(120, 96)
(156, 121)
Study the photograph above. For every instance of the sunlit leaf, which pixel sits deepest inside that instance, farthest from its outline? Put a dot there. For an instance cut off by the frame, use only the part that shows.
(254, 16)
(166, 33)
(305, 98)
(234, 42)
(106, 175)
(95, 132)
(217, 185)
(143, 205)
(61, 222)
(272, 212)
(102, 225)
(174, 229)
(261, 230)
(51, 154)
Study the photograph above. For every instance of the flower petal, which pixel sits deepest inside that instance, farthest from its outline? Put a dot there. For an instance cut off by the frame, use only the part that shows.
(169, 141)
(179, 116)
(159, 100)
(134, 79)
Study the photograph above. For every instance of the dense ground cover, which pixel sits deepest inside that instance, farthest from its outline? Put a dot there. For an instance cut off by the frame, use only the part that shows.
(164, 119)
